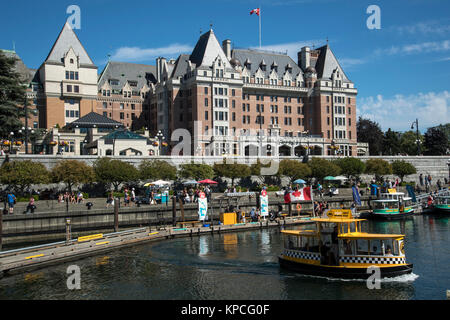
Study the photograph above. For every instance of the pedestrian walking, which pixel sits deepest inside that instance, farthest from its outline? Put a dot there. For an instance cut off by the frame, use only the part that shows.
(421, 180)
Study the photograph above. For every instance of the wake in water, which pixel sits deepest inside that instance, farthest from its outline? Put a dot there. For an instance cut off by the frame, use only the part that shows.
(401, 279)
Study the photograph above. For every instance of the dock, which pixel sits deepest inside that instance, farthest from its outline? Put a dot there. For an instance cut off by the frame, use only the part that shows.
(25, 259)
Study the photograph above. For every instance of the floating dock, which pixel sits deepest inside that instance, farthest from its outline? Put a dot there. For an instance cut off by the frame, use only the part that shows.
(19, 260)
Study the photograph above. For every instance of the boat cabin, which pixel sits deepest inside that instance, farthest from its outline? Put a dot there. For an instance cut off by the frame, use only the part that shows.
(339, 240)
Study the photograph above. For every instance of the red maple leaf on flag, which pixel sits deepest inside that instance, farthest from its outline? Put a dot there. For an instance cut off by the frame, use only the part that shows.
(255, 11)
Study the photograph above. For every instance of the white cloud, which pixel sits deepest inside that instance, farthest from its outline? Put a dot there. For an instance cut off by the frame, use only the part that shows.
(416, 48)
(400, 111)
(146, 54)
(424, 28)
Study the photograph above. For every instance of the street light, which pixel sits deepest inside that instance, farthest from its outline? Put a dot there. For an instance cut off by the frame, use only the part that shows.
(417, 133)
(59, 146)
(160, 138)
(11, 142)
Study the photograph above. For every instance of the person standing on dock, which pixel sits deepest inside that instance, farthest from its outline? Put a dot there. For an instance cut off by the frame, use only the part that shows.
(11, 202)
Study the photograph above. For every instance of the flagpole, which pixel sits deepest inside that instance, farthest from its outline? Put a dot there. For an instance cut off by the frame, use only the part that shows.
(259, 27)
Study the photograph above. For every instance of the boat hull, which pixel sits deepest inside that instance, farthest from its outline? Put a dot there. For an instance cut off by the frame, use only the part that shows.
(441, 209)
(390, 216)
(342, 272)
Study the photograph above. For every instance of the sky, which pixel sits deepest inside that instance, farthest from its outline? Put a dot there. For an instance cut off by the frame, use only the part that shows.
(401, 68)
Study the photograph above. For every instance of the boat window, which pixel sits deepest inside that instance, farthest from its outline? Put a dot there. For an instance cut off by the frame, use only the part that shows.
(408, 203)
(392, 205)
(346, 247)
(343, 228)
(352, 226)
(388, 247)
(292, 242)
(312, 245)
(378, 205)
(376, 247)
(362, 247)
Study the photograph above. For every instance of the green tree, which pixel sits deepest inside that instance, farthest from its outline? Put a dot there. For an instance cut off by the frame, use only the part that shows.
(320, 168)
(232, 171)
(22, 174)
(378, 167)
(402, 168)
(157, 170)
(370, 132)
(115, 172)
(391, 143)
(408, 142)
(436, 142)
(294, 170)
(72, 172)
(12, 95)
(196, 171)
(351, 167)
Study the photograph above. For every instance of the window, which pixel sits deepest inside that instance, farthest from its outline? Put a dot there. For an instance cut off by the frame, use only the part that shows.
(206, 115)
(122, 116)
(206, 101)
(67, 75)
(105, 114)
(69, 88)
(121, 106)
(76, 89)
(233, 92)
(105, 105)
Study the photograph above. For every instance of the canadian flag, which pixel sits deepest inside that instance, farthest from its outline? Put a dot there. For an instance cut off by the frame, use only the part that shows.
(255, 11)
(301, 194)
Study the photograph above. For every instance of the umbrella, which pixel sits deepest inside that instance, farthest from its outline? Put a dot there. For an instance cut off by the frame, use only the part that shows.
(190, 182)
(148, 184)
(329, 178)
(299, 181)
(340, 178)
(160, 183)
(207, 181)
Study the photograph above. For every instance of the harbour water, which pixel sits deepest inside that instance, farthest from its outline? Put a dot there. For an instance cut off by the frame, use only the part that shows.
(238, 266)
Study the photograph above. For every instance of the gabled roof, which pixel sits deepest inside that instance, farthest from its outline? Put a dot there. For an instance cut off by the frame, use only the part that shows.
(181, 65)
(123, 71)
(327, 63)
(206, 50)
(93, 118)
(123, 135)
(273, 59)
(66, 39)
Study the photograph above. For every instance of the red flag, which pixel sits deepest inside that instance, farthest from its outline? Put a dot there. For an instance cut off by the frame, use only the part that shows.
(302, 194)
(255, 11)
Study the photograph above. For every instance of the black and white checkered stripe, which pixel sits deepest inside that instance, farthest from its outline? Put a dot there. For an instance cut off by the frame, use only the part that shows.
(375, 260)
(302, 255)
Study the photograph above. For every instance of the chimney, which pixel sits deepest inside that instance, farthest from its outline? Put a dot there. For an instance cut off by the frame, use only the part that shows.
(226, 45)
(304, 58)
(159, 68)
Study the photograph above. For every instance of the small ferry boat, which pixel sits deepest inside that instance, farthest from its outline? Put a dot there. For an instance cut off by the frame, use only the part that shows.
(442, 204)
(392, 206)
(338, 248)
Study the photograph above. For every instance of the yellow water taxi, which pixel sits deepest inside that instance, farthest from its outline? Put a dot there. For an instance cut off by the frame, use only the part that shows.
(338, 248)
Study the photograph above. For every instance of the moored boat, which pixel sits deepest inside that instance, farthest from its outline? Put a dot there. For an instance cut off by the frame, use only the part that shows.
(338, 248)
(392, 206)
(441, 204)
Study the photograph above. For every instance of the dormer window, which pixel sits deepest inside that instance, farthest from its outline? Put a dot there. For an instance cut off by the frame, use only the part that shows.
(71, 61)
(289, 68)
(262, 65)
(248, 64)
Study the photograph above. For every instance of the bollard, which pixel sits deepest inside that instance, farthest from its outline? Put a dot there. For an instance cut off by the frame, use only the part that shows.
(116, 215)
(174, 211)
(68, 232)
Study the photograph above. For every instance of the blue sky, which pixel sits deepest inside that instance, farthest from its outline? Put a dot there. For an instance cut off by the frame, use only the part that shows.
(402, 70)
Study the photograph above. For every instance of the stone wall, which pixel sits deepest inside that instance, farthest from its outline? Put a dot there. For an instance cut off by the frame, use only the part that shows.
(436, 166)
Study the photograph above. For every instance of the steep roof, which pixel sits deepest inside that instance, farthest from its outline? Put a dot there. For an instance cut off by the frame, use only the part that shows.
(270, 59)
(66, 39)
(327, 63)
(25, 73)
(142, 74)
(181, 65)
(206, 50)
(93, 118)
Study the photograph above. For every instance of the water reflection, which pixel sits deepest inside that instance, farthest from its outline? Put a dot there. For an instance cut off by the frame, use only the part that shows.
(240, 265)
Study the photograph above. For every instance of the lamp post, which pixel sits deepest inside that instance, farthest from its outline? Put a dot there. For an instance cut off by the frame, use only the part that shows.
(417, 134)
(59, 146)
(160, 138)
(11, 142)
